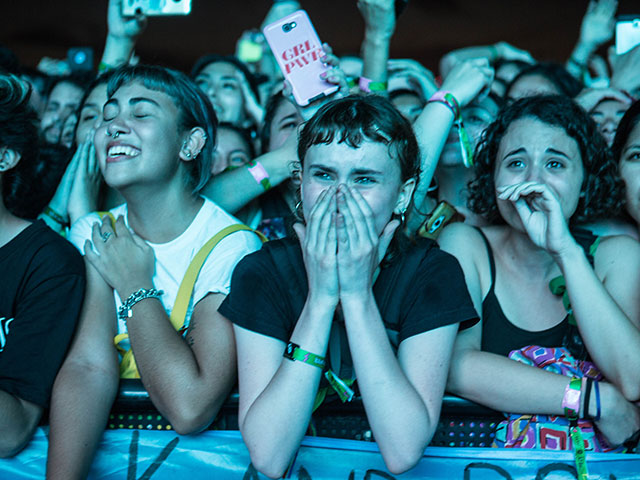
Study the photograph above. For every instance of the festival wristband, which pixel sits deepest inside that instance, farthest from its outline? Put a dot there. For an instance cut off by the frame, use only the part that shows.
(450, 101)
(125, 310)
(259, 174)
(55, 216)
(293, 352)
(571, 399)
(367, 85)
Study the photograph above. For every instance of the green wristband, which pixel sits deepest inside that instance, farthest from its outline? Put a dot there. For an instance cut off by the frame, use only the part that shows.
(293, 352)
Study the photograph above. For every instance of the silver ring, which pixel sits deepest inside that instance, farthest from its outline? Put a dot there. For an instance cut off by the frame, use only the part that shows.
(105, 236)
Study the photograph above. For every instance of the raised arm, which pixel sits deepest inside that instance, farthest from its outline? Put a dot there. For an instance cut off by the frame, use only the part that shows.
(234, 189)
(380, 22)
(492, 53)
(432, 127)
(121, 36)
(596, 29)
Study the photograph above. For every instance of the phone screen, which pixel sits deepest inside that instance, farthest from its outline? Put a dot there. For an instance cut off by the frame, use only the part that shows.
(131, 8)
(627, 33)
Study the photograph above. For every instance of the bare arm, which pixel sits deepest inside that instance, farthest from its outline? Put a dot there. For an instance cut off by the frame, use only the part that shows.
(122, 35)
(187, 380)
(506, 385)
(235, 189)
(380, 22)
(432, 127)
(85, 387)
(18, 421)
(608, 311)
(596, 29)
(402, 396)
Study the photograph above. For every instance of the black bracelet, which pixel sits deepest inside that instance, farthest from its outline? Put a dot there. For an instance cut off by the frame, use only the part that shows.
(587, 397)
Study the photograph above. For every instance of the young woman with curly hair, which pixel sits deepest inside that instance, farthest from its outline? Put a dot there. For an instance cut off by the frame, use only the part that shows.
(542, 168)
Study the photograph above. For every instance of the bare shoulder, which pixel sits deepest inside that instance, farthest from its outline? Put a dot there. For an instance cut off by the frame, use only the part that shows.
(619, 253)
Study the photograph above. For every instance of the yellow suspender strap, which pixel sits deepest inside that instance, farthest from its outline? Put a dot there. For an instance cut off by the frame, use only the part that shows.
(179, 311)
(128, 368)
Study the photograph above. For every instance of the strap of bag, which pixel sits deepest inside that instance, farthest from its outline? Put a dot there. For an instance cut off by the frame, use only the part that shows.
(128, 368)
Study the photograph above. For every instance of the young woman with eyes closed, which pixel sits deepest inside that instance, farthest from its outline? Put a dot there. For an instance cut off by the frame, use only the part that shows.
(154, 145)
(542, 168)
(351, 277)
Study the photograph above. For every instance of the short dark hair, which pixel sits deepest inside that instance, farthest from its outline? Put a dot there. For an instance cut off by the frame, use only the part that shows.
(18, 127)
(194, 107)
(555, 73)
(357, 118)
(18, 120)
(601, 189)
(207, 60)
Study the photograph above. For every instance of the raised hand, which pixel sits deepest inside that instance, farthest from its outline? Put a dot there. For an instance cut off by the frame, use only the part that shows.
(360, 248)
(379, 16)
(598, 23)
(541, 215)
(468, 79)
(120, 26)
(414, 73)
(123, 259)
(319, 251)
(83, 195)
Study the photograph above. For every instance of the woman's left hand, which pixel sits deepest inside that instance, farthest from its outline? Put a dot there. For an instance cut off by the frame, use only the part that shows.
(540, 213)
(360, 249)
(123, 259)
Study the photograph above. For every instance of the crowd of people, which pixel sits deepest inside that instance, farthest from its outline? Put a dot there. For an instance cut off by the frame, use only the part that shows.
(474, 231)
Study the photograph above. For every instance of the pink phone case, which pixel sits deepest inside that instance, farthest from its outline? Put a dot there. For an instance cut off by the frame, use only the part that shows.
(297, 48)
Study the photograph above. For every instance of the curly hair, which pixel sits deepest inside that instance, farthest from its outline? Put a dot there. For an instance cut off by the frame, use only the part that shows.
(601, 190)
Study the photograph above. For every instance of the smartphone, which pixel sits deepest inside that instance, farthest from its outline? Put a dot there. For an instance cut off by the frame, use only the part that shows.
(627, 33)
(80, 59)
(297, 48)
(131, 8)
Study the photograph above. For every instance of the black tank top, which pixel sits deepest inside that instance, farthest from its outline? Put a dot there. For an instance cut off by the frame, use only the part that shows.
(501, 336)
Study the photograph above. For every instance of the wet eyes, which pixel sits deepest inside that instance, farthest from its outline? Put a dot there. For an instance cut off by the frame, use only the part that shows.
(553, 164)
(633, 157)
(364, 180)
(515, 164)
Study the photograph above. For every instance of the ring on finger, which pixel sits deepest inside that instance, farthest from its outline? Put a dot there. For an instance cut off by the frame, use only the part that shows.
(105, 236)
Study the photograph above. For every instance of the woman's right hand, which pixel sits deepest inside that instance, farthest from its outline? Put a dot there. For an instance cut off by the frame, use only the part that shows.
(120, 26)
(468, 79)
(620, 419)
(319, 248)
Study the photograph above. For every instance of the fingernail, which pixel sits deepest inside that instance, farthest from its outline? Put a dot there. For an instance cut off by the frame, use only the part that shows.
(323, 75)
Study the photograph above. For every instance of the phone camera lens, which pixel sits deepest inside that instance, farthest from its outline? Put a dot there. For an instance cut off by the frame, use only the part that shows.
(79, 58)
(286, 28)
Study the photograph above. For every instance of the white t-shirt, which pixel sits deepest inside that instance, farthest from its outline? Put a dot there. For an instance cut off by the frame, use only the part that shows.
(173, 258)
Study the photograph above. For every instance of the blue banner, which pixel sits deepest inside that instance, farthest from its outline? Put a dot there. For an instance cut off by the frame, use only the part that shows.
(142, 454)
